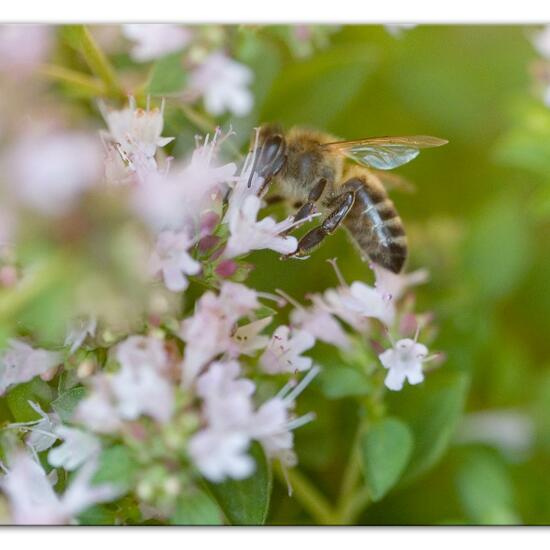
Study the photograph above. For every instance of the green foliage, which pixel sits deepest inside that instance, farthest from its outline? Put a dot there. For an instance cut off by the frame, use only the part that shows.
(66, 403)
(485, 489)
(432, 412)
(168, 76)
(197, 508)
(386, 448)
(19, 396)
(340, 381)
(116, 466)
(246, 502)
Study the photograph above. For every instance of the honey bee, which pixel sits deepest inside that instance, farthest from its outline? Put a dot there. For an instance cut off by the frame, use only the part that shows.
(311, 170)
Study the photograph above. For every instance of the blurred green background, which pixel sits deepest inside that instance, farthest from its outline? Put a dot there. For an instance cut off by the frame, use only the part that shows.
(479, 221)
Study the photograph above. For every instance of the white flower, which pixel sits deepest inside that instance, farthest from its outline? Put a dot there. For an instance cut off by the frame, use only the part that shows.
(49, 172)
(541, 41)
(221, 454)
(171, 258)
(249, 338)
(223, 82)
(23, 47)
(138, 134)
(249, 234)
(155, 40)
(77, 448)
(284, 351)
(21, 362)
(78, 330)
(404, 362)
(320, 323)
(33, 500)
(142, 352)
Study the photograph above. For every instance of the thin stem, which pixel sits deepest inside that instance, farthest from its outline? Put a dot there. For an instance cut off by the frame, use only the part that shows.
(352, 473)
(309, 497)
(83, 82)
(353, 507)
(99, 63)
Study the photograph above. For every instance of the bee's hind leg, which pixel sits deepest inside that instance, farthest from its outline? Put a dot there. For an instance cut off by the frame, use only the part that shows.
(342, 204)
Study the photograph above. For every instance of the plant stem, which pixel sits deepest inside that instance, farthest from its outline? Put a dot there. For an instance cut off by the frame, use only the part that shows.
(99, 63)
(352, 473)
(84, 83)
(348, 514)
(309, 497)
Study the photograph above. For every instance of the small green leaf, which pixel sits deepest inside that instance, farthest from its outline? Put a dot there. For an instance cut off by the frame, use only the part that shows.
(341, 381)
(19, 396)
(66, 403)
(246, 502)
(485, 489)
(168, 76)
(385, 451)
(97, 515)
(116, 466)
(197, 509)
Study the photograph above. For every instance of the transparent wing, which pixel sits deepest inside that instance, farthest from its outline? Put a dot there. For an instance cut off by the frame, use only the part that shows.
(385, 153)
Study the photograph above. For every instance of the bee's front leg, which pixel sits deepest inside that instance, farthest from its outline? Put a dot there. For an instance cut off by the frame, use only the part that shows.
(342, 205)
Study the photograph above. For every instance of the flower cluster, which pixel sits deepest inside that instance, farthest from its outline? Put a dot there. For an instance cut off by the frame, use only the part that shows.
(167, 356)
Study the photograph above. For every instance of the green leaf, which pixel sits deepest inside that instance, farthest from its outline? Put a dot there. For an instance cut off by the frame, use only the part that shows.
(168, 75)
(432, 412)
(116, 466)
(246, 502)
(342, 381)
(385, 450)
(197, 509)
(19, 396)
(97, 515)
(485, 489)
(66, 403)
(313, 92)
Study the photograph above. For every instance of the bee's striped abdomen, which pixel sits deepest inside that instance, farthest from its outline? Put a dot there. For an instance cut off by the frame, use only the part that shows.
(375, 225)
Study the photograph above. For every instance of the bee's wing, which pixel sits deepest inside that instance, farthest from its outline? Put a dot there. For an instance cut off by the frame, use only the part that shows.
(384, 153)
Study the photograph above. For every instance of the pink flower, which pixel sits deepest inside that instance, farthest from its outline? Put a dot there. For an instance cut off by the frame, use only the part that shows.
(33, 500)
(137, 133)
(320, 323)
(155, 40)
(78, 447)
(171, 258)
(49, 172)
(23, 47)
(98, 410)
(208, 332)
(222, 82)
(404, 362)
(249, 338)
(249, 234)
(541, 41)
(21, 362)
(284, 351)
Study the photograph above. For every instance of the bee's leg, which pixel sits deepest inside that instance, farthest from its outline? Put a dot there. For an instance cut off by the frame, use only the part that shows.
(342, 205)
(308, 207)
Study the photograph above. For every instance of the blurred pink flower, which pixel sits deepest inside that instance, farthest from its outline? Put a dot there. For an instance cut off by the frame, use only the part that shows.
(284, 352)
(393, 285)
(49, 172)
(33, 500)
(171, 258)
(155, 40)
(222, 82)
(404, 362)
(541, 41)
(78, 447)
(249, 338)
(320, 323)
(23, 47)
(20, 362)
